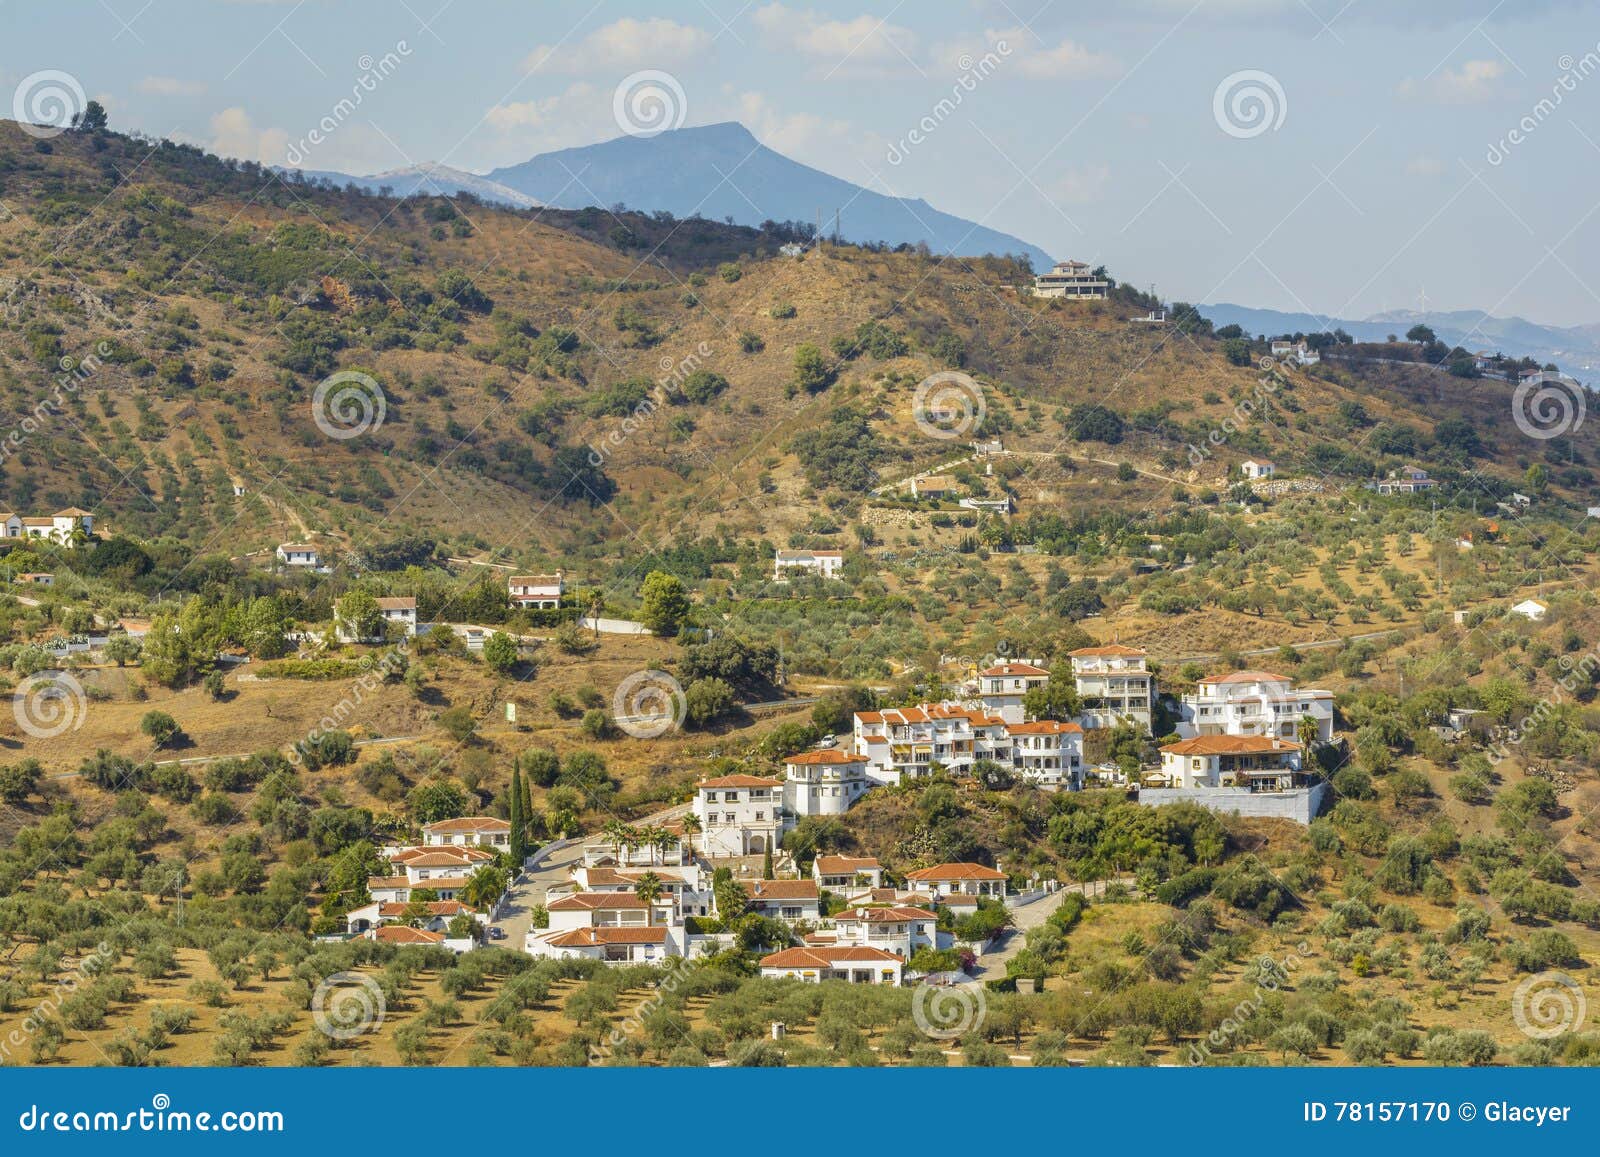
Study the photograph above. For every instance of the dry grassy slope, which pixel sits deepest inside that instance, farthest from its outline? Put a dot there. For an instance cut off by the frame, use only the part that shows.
(1037, 360)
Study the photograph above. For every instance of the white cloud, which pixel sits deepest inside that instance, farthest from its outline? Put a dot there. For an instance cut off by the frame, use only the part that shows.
(627, 44)
(1022, 52)
(806, 137)
(1475, 80)
(1080, 186)
(865, 42)
(171, 86)
(233, 135)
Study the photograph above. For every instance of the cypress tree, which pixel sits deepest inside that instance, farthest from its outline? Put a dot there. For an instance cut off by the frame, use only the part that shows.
(519, 822)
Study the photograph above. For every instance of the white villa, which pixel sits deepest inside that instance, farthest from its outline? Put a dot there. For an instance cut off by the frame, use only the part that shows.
(438, 914)
(1001, 688)
(1072, 279)
(858, 965)
(542, 591)
(482, 831)
(1406, 480)
(1254, 703)
(60, 527)
(1114, 684)
(298, 554)
(958, 879)
(401, 612)
(740, 815)
(614, 926)
(823, 783)
(823, 563)
(1258, 468)
(1047, 752)
(789, 900)
(847, 874)
(897, 929)
(1258, 762)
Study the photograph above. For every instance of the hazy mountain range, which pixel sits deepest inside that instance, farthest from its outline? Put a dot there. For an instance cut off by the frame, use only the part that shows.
(1573, 348)
(717, 171)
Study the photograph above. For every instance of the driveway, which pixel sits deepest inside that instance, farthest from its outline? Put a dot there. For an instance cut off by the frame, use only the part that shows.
(992, 964)
(532, 887)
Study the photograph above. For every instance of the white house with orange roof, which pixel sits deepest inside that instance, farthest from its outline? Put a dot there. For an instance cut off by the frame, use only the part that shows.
(437, 914)
(740, 815)
(468, 830)
(905, 742)
(828, 564)
(540, 591)
(825, 782)
(847, 874)
(789, 900)
(898, 929)
(959, 878)
(1254, 703)
(1048, 752)
(1114, 685)
(1252, 775)
(62, 527)
(617, 927)
(1001, 688)
(856, 964)
(1255, 762)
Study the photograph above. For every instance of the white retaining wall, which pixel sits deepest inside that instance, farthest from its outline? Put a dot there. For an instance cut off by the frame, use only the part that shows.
(1300, 805)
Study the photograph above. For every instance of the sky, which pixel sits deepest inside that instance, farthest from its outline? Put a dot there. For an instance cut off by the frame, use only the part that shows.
(1339, 157)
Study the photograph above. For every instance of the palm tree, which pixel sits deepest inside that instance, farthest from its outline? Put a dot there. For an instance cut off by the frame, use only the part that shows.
(483, 887)
(616, 834)
(692, 827)
(661, 840)
(648, 888)
(1308, 733)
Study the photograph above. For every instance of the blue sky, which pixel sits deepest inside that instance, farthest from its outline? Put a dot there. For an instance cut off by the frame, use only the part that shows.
(1383, 170)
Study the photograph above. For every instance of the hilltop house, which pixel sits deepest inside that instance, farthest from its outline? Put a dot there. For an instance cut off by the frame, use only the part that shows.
(858, 965)
(740, 815)
(1114, 685)
(1001, 688)
(824, 563)
(1071, 279)
(1405, 480)
(542, 591)
(1258, 468)
(298, 554)
(1254, 703)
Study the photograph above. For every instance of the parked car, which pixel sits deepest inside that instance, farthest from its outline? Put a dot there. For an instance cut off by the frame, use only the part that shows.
(497, 933)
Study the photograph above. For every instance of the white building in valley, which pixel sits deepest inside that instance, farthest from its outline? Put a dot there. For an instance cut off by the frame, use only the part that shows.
(858, 965)
(1254, 703)
(66, 527)
(539, 591)
(828, 564)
